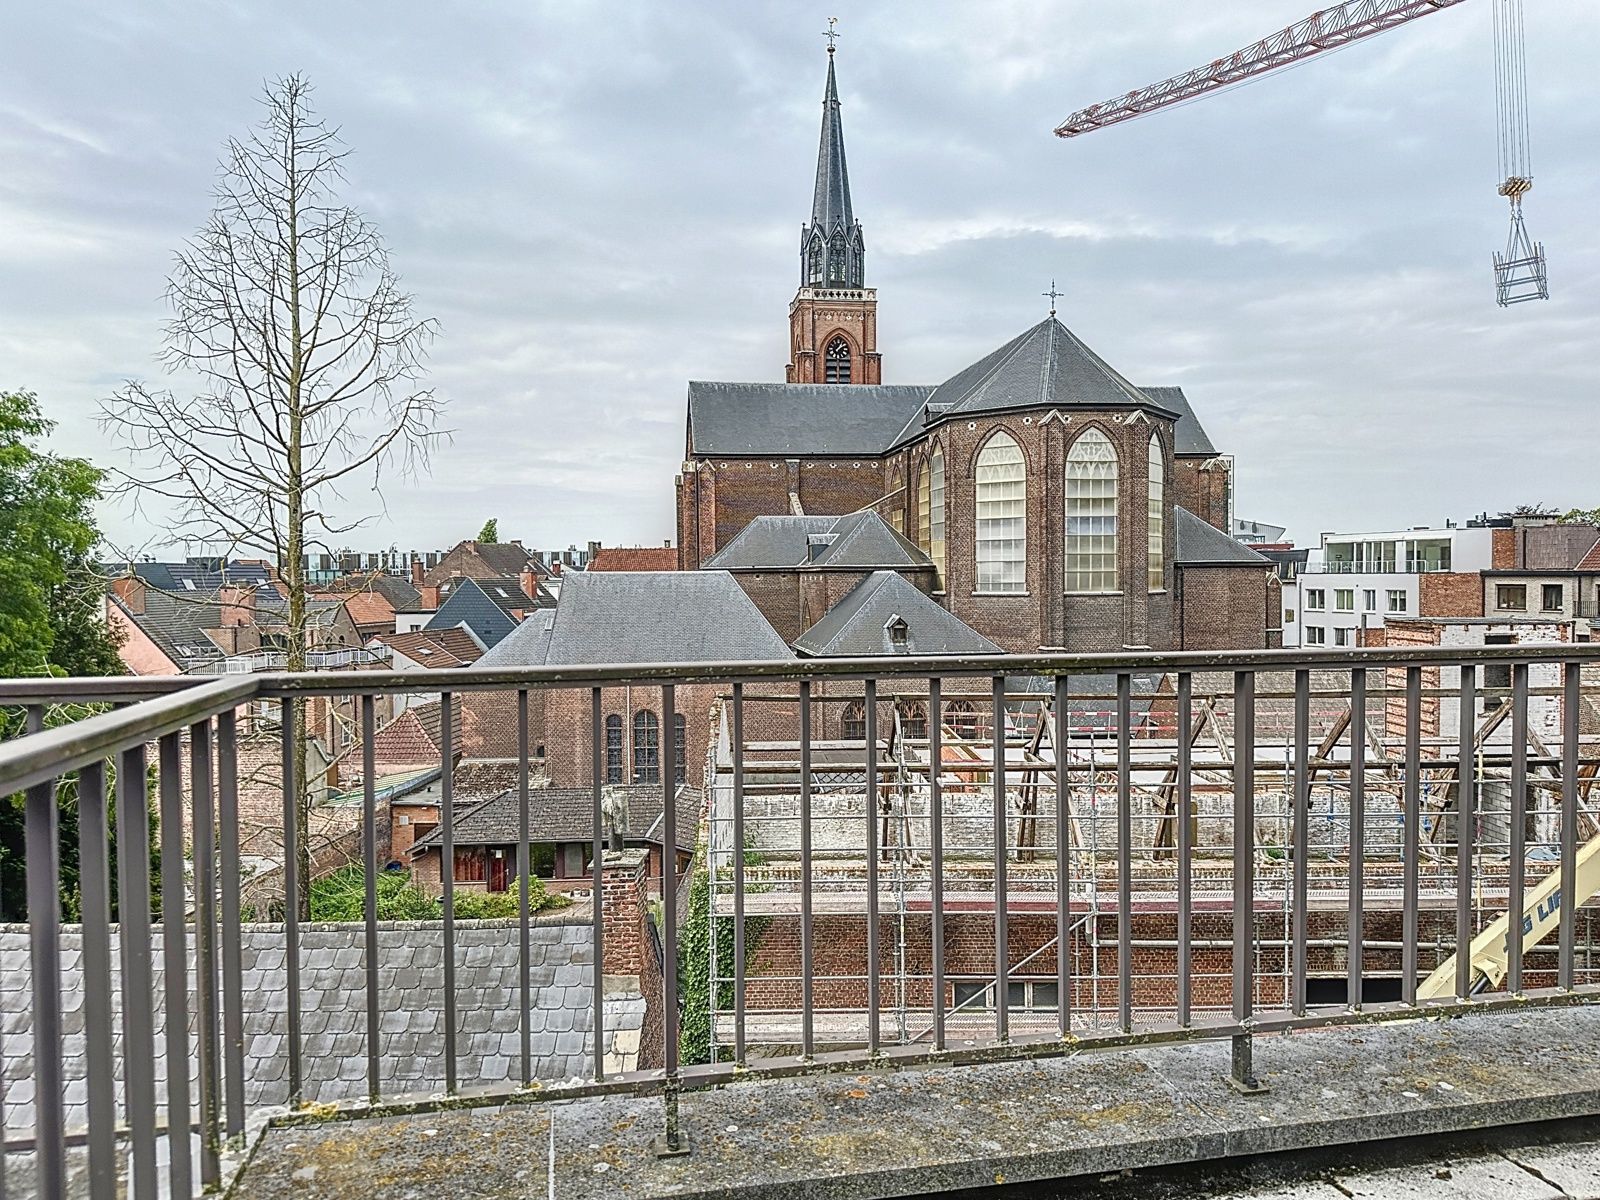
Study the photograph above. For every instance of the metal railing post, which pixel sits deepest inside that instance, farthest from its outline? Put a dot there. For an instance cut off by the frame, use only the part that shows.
(1243, 1077)
(671, 1143)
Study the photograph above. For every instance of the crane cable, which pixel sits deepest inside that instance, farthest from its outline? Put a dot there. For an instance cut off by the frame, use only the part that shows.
(1511, 100)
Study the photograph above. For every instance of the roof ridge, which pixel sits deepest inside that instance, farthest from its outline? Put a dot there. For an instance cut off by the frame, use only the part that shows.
(1004, 356)
(1111, 373)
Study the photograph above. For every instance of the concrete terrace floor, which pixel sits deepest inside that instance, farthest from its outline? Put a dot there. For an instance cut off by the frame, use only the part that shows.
(1047, 1128)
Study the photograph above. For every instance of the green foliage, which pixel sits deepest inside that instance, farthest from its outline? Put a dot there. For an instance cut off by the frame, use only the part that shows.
(492, 906)
(490, 533)
(1581, 516)
(51, 621)
(342, 896)
(694, 957)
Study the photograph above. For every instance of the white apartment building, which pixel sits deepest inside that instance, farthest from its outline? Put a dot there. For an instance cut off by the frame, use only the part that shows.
(1355, 580)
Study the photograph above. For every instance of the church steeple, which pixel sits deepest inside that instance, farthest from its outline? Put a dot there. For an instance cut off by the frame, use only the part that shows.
(832, 251)
(833, 321)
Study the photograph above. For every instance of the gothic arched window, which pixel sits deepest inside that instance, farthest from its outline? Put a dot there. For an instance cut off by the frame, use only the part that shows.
(1092, 514)
(962, 717)
(925, 508)
(837, 361)
(646, 747)
(935, 545)
(1156, 521)
(1002, 517)
(853, 722)
(913, 719)
(814, 262)
(614, 749)
(680, 730)
(836, 260)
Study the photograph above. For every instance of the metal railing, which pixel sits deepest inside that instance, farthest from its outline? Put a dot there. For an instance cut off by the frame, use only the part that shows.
(198, 907)
(1401, 566)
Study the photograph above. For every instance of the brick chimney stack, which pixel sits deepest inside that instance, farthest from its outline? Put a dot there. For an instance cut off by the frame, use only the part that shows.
(530, 583)
(417, 573)
(130, 590)
(238, 605)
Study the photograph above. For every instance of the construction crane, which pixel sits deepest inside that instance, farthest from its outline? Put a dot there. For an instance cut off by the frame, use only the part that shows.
(1520, 271)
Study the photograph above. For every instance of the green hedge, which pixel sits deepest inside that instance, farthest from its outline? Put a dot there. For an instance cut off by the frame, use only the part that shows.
(342, 896)
(694, 957)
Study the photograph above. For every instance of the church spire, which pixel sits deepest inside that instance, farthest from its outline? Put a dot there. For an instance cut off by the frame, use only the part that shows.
(832, 252)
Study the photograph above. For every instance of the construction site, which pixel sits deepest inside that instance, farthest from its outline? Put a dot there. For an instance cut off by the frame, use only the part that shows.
(1130, 820)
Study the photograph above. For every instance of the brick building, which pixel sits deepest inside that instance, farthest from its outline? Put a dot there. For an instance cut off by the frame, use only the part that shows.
(1048, 492)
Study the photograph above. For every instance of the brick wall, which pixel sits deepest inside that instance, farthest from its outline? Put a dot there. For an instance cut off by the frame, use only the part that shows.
(1450, 593)
(1503, 549)
(1225, 608)
(567, 728)
(1201, 486)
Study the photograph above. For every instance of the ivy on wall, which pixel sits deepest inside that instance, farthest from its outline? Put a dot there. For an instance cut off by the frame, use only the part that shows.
(694, 956)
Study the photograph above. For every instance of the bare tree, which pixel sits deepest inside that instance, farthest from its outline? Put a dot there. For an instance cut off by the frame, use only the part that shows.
(304, 358)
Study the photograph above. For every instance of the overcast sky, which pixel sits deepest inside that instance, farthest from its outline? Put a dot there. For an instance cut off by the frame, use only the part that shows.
(601, 202)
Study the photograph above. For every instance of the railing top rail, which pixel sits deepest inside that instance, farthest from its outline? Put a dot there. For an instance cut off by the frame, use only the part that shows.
(92, 689)
(41, 757)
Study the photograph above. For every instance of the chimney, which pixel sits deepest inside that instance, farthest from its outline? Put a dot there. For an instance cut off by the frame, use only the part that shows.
(417, 572)
(530, 583)
(594, 548)
(430, 595)
(130, 590)
(238, 605)
(517, 542)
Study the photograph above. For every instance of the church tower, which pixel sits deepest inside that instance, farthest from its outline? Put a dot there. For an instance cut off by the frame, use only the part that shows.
(833, 319)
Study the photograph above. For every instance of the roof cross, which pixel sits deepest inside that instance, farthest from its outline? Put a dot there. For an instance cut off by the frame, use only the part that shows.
(831, 34)
(1054, 296)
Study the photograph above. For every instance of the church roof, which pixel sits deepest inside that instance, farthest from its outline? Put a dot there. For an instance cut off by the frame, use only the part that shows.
(859, 541)
(1188, 436)
(792, 420)
(1043, 367)
(1202, 544)
(830, 203)
(857, 626)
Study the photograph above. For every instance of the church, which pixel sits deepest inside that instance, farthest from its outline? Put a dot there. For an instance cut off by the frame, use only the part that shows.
(1037, 495)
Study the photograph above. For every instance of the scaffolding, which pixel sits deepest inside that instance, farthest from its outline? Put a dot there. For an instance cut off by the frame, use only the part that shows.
(1347, 751)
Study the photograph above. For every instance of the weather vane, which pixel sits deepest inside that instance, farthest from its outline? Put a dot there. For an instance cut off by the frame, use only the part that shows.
(1054, 296)
(831, 34)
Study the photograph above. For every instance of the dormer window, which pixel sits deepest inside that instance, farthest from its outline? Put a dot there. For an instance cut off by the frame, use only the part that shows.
(897, 633)
(837, 361)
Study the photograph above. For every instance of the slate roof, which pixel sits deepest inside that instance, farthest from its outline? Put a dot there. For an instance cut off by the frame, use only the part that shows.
(400, 594)
(468, 604)
(797, 420)
(830, 201)
(201, 574)
(856, 626)
(641, 617)
(1201, 543)
(860, 541)
(634, 558)
(1188, 437)
(333, 1006)
(176, 622)
(435, 648)
(563, 815)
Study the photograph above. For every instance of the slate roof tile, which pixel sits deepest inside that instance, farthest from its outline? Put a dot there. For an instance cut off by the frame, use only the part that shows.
(1201, 543)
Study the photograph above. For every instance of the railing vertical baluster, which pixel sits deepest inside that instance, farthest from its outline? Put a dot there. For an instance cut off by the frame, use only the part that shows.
(42, 843)
(292, 782)
(807, 986)
(175, 958)
(1300, 837)
(232, 933)
(1411, 817)
(447, 876)
(1571, 699)
(1002, 955)
(1243, 1077)
(1356, 887)
(369, 861)
(1063, 731)
(597, 903)
(1466, 829)
(936, 844)
(94, 879)
(205, 936)
(1518, 850)
(138, 978)
(1185, 847)
(738, 874)
(1124, 852)
(672, 1140)
(871, 796)
(524, 865)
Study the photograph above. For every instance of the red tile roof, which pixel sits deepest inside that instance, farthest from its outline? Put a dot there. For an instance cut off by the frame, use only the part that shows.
(366, 608)
(435, 648)
(1591, 560)
(635, 558)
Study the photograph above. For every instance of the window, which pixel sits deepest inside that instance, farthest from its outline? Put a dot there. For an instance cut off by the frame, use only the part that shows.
(962, 718)
(614, 749)
(1341, 637)
(1155, 522)
(936, 513)
(1511, 595)
(1092, 514)
(1495, 685)
(1002, 517)
(853, 722)
(472, 864)
(836, 361)
(1288, 616)
(1316, 635)
(680, 773)
(1344, 600)
(646, 747)
(1316, 598)
(1552, 597)
(1398, 602)
(1022, 995)
(1369, 600)
(836, 267)
(913, 719)
(814, 262)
